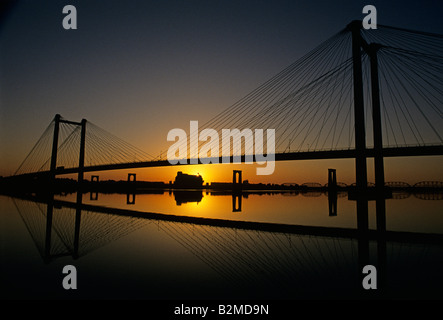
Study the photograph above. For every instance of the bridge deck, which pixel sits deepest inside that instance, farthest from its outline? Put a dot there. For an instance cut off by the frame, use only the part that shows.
(336, 232)
(290, 156)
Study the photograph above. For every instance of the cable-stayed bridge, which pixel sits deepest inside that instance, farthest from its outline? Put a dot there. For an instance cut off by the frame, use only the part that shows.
(361, 93)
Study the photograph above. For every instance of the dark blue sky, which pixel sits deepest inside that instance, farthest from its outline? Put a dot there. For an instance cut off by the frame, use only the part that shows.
(141, 68)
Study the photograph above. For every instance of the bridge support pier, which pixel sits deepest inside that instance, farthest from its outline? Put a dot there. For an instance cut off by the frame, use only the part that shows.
(131, 177)
(237, 183)
(130, 198)
(236, 202)
(332, 180)
(93, 191)
(236, 173)
(332, 192)
(332, 202)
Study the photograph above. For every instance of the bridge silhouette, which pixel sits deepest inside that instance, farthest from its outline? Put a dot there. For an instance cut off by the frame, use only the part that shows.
(319, 107)
(360, 94)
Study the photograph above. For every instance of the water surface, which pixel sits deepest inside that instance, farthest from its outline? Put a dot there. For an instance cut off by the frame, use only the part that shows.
(120, 255)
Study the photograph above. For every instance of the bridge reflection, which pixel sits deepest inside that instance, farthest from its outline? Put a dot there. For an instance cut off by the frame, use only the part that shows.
(182, 196)
(249, 250)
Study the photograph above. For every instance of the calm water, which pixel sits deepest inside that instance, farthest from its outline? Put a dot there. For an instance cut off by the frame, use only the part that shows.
(120, 255)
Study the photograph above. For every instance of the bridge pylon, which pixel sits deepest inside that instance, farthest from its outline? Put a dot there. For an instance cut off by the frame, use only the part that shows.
(361, 175)
(53, 166)
(358, 46)
(81, 162)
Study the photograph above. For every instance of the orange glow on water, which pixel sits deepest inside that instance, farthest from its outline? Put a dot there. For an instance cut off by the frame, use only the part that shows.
(286, 208)
(310, 209)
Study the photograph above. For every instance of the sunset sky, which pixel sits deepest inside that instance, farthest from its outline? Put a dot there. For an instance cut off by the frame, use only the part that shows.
(141, 68)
